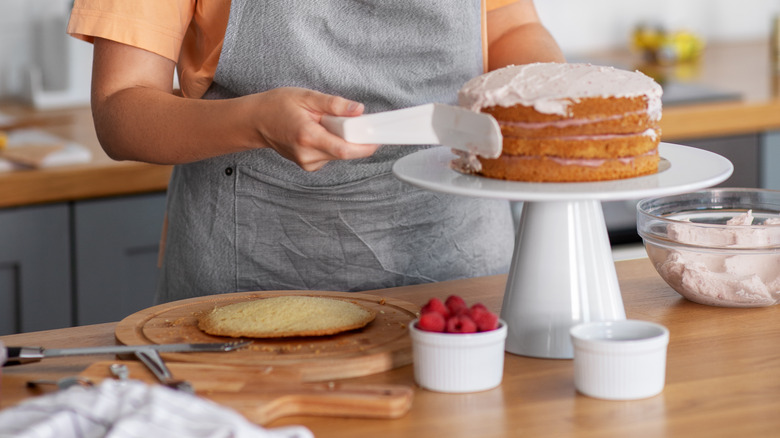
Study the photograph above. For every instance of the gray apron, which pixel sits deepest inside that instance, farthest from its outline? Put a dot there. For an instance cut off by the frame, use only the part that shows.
(256, 221)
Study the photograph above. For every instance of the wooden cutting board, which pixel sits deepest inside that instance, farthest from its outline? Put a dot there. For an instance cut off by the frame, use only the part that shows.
(382, 345)
(263, 396)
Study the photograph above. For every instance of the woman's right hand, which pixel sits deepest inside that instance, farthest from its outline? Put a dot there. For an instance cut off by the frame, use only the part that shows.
(138, 117)
(288, 120)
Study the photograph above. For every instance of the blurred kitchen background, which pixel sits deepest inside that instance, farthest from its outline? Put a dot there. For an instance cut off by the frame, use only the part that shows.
(38, 62)
(586, 26)
(39, 65)
(35, 52)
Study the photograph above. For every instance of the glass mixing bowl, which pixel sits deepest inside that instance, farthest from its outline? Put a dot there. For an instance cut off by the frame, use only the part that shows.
(719, 247)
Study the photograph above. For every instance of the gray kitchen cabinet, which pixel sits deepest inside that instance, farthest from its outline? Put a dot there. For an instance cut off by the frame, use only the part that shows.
(770, 160)
(35, 277)
(742, 150)
(116, 247)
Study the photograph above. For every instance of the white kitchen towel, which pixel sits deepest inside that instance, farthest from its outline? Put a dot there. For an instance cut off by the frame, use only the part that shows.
(130, 409)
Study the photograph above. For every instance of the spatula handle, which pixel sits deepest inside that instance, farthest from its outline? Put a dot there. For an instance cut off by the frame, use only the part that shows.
(334, 124)
(407, 126)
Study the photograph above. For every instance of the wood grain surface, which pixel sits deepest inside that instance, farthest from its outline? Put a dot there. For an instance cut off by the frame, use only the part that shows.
(723, 375)
(382, 345)
(264, 394)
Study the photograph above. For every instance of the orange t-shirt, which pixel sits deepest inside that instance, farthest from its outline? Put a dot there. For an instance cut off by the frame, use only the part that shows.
(189, 32)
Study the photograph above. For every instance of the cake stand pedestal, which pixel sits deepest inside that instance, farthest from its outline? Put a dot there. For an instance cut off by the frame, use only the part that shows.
(562, 272)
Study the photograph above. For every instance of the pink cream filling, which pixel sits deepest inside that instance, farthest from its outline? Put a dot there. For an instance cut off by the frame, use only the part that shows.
(586, 162)
(570, 122)
(648, 133)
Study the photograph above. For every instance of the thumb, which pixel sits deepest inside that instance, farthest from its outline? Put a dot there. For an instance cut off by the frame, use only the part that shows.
(339, 106)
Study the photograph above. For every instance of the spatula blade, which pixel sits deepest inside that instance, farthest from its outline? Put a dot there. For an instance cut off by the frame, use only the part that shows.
(458, 128)
(466, 130)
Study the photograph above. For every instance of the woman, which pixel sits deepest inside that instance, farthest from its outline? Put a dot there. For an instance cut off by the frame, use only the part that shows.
(262, 196)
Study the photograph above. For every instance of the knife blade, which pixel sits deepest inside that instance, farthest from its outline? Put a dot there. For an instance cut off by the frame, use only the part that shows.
(22, 355)
(433, 123)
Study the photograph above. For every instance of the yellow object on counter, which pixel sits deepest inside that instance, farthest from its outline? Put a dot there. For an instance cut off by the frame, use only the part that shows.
(3, 140)
(667, 48)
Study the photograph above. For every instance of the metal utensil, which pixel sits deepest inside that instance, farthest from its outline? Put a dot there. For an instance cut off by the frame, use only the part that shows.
(151, 358)
(21, 355)
(433, 123)
(63, 383)
(119, 370)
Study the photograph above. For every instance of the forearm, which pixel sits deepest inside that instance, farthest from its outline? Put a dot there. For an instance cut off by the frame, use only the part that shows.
(516, 36)
(149, 125)
(524, 44)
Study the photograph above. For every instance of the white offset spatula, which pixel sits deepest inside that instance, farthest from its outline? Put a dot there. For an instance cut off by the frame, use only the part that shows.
(433, 123)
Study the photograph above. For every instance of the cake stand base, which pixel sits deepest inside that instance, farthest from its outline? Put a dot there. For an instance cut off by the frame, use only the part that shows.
(562, 274)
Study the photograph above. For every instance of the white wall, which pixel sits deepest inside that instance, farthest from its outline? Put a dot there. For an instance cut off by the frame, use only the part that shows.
(582, 26)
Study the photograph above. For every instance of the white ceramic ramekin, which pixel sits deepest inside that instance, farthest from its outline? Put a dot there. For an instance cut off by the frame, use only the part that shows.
(458, 362)
(620, 360)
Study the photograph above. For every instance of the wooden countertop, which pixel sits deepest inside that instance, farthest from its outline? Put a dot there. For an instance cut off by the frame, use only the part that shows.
(723, 375)
(101, 177)
(741, 67)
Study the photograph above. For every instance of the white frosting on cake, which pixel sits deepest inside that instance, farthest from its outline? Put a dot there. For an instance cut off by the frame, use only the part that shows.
(550, 88)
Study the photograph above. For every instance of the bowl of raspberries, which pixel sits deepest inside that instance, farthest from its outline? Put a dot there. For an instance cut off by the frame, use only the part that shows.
(457, 348)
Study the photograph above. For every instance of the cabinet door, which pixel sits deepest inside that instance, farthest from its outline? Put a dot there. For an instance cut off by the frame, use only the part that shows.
(35, 286)
(116, 246)
(742, 151)
(770, 160)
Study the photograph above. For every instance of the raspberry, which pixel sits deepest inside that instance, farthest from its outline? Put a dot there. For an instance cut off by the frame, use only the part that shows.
(461, 324)
(476, 310)
(479, 306)
(484, 319)
(431, 322)
(455, 304)
(435, 305)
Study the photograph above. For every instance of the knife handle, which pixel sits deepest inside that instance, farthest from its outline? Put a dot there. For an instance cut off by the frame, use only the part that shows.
(22, 355)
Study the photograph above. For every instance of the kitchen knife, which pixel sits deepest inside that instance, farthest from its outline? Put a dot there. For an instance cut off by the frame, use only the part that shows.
(433, 123)
(22, 355)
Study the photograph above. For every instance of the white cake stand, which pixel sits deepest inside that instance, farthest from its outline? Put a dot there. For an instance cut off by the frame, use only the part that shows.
(562, 272)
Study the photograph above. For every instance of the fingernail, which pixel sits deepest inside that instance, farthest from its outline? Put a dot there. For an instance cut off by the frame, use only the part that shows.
(353, 106)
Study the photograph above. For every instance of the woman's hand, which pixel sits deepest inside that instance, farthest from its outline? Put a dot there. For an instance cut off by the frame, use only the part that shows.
(138, 117)
(288, 120)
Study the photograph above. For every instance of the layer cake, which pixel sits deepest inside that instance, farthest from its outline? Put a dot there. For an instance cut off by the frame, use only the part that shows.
(567, 122)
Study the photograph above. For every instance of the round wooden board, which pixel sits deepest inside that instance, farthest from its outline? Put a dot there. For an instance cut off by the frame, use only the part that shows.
(382, 345)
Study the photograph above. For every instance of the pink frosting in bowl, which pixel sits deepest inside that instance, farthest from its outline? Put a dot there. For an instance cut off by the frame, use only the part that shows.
(718, 247)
